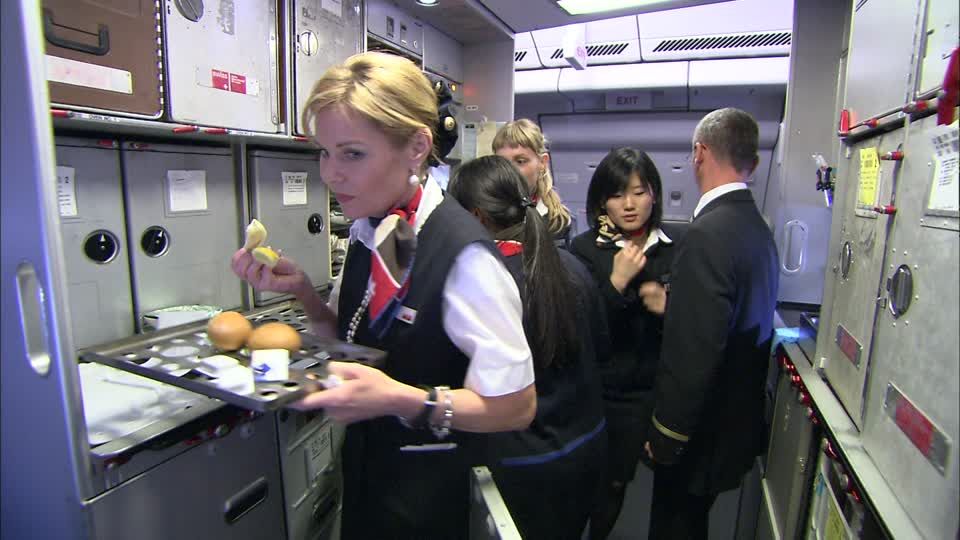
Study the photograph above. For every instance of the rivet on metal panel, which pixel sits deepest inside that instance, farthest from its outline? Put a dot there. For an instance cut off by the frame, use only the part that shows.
(917, 297)
(904, 253)
(894, 250)
(916, 267)
(906, 323)
(894, 325)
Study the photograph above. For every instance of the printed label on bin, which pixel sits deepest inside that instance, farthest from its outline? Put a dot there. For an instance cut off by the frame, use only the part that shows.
(66, 71)
(227, 81)
(66, 191)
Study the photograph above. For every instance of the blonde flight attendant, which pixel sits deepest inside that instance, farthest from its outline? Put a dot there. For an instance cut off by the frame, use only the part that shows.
(523, 143)
(458, 361)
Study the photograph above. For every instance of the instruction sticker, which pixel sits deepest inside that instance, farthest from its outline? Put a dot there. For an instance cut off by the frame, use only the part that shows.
(294, 188)
(944, 192)
(318, 453)
(227, 81)
(66, 191)
(333, 6)
(869, 176)
(187, 191)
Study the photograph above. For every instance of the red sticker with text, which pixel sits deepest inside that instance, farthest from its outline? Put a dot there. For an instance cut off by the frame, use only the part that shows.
(220, 79)
(238, 83)
(914, 425)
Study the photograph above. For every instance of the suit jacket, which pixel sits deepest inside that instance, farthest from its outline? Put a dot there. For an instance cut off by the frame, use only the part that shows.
(709, 397)
(635, 333)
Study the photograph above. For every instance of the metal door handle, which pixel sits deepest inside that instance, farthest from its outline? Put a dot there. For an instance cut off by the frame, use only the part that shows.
(245, 500)
(103, 37)
(794, 246)
(31, 303)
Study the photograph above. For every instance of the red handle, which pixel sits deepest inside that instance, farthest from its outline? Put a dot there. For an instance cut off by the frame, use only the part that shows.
(60, 113)
(215, 131)
(185, 129)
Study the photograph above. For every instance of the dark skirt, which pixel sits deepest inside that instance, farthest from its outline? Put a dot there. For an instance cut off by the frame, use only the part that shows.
(554, 500)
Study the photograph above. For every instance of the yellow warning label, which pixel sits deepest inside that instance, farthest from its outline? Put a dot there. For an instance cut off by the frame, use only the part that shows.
(834, 529)
(869, 177)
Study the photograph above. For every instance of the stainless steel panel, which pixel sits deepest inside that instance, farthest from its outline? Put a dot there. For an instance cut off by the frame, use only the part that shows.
(309, 456)
(390, 23)
(195, 268)
(853, 305)
(301, 230)
(222, 64)
(917, 352)
(202, 493)
(766, 524)
(789, 457)
(325, 33)
(884, 45)
(95, 242)
(45, 456)
(442, 54)
(489, 516)
(809, 128)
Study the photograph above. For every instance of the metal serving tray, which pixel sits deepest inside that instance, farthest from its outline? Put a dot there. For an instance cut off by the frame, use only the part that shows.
(164, 355)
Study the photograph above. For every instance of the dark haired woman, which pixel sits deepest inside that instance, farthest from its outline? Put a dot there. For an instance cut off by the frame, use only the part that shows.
(549, 474)
(624, 249)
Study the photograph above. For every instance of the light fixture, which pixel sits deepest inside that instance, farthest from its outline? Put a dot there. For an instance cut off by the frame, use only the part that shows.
(427, 3)
(582, 7)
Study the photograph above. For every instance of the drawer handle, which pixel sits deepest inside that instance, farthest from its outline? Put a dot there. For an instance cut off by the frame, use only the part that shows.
(100, 49)
(245, 500)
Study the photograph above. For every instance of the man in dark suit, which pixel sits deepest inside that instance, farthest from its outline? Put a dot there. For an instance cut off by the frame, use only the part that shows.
(708, 417)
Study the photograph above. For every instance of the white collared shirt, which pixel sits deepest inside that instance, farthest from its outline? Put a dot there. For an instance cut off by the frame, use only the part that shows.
(482, 310)
(716, 192)
(655, 237)
(542, 208)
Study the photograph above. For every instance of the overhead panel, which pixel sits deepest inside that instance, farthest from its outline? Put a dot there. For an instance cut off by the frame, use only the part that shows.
(525, 54)
(613, 41)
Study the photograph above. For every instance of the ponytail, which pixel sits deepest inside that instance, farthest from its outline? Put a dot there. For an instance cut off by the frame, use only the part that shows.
(494, 187)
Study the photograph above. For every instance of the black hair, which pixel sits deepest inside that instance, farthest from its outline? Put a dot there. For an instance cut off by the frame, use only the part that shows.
(613, 175)
(493, 186)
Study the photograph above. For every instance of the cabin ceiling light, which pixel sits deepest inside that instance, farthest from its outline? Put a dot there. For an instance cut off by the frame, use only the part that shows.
(583, 7)
(427, 3)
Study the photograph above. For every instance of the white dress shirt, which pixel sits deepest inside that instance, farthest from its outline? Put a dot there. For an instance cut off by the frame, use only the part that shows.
(655, 237)
(482, 311)
(716, 192)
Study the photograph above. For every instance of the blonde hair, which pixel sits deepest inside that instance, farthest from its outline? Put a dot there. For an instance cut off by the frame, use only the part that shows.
(386, 89)
(525, 133)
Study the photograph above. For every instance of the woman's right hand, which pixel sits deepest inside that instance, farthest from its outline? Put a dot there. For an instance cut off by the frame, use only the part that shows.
(627, 263)
(286, 277)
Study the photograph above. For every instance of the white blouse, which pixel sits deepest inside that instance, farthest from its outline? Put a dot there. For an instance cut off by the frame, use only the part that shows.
(482, 310)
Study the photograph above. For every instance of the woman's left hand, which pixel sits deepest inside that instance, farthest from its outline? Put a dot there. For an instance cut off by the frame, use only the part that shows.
(365, 393)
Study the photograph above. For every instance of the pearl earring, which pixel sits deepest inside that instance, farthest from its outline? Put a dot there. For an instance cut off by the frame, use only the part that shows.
(414, 179)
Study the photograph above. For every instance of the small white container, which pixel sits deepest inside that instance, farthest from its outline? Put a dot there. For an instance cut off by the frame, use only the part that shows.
(270, 364)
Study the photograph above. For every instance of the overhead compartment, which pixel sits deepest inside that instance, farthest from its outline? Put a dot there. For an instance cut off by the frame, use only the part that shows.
(754, 72)
(745, 28)
(525, 52)
(624, 77)
(540, 81)
(613, 41)
(549, 44)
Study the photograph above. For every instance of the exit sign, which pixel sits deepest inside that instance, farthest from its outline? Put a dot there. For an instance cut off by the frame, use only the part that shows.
(629, 101)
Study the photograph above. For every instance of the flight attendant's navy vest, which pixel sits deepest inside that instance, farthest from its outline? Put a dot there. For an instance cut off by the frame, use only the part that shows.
(421, 494)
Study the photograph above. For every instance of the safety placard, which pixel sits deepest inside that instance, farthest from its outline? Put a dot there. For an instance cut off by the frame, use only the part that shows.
(187, 191)
(66, 191)
(294, 188)
(227, 81)
(869, 177)
(945, 185)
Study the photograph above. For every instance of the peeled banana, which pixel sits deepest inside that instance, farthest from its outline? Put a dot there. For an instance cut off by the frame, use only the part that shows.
(256, 235)
(266, 256)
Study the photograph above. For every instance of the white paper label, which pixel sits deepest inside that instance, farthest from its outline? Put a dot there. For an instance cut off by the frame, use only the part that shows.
(318, 453)
(945, 188)
(66, 191)
(66, 71)
(187, 191)
(333, 6)
(294, 188)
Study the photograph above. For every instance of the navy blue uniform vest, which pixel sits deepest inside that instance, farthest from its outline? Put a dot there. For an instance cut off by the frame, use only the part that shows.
(389, 493)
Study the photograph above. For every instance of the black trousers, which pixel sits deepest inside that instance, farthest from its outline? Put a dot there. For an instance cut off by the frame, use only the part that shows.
(675, 513)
